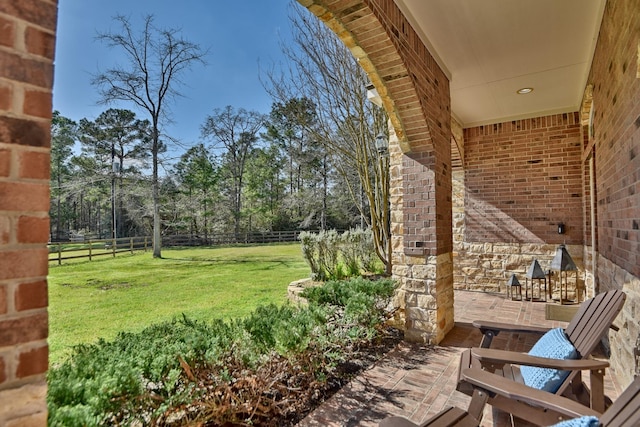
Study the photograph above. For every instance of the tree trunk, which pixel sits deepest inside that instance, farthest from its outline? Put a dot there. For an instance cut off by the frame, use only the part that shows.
(204, 203)
(58, 207)
(114, 231)
(157, 238)
(98, 220)
(325, 193)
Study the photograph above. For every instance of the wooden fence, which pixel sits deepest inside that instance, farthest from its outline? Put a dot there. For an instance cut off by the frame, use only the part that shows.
(90, 248)
(231, 238)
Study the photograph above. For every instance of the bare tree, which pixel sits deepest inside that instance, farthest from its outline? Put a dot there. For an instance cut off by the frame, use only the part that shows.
(324, 71)
(156, 59)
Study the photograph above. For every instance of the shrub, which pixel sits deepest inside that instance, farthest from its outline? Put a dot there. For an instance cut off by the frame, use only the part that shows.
(329, 250)
(364, 301)
(350, 251)
(310, 251)
(139, 378)
(333, 256)
(366, 251)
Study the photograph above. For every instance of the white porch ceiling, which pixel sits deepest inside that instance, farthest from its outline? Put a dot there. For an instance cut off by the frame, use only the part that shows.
(491, 48)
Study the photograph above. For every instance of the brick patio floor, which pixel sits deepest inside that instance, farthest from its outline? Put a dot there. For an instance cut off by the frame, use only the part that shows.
(417, 381)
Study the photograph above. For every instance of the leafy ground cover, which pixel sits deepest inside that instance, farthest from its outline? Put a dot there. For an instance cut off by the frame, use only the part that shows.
(266, 369)
(99, 299)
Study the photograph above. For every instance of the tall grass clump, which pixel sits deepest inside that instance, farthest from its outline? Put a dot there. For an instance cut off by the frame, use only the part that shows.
(334, 256)
(237, 372)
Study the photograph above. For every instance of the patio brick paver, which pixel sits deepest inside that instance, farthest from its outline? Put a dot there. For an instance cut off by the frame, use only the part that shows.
(417, 381)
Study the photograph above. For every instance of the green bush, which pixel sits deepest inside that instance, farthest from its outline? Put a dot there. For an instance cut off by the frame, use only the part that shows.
(284, 329)
(310, 251)
(138, 377)
(363, 301)
(333, 256)
(350, 249)
(329, 243)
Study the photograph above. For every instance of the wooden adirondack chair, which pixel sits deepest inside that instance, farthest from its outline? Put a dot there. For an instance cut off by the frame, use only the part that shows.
(584, 331)
(624, 412)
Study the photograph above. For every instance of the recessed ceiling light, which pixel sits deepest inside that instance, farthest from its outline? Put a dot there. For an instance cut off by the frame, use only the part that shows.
(524, 90)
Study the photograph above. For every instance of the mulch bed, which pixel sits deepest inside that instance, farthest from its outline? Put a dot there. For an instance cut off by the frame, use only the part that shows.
(280, 393)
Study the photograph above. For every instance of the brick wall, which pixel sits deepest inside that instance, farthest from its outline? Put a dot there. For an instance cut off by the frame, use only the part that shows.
(522, 179)
(615, 76)
(616, 90)
(27, 35)
(427, 161)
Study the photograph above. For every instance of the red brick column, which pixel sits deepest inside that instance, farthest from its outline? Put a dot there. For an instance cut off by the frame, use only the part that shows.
(27, 40)
(425, 263)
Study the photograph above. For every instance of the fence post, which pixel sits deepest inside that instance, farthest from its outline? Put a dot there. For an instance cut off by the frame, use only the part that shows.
(131, 244)
(145, 243)
(113, 247)
(91, 247)
(59, 253)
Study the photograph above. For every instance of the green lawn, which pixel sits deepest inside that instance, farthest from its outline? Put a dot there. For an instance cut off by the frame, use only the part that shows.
(98, 299)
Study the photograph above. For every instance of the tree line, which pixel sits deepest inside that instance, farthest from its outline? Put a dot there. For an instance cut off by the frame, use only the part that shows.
(251, 172)
(309, 163)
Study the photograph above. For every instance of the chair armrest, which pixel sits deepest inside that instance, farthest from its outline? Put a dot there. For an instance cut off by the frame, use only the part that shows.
(491, 329)
(497, 385)
(508, 327)
(501, 357)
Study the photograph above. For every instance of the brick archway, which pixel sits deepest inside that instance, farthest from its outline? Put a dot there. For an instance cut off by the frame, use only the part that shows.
(381, 45)
(415, 93)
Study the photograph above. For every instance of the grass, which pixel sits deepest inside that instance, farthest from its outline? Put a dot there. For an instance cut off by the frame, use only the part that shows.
(98, 299)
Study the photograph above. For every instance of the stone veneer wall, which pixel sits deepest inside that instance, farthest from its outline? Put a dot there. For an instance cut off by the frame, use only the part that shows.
(625, 343)
(27, 40)
(486, 267)
(458, 213)
(615, 78)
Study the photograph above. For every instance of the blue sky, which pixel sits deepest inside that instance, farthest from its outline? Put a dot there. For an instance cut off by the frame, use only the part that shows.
(241, 36)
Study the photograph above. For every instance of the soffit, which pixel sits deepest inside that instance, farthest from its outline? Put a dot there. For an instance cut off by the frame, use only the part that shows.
(491, 48)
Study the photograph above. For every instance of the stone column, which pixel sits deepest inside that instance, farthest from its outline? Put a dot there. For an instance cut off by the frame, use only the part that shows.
(422, 245)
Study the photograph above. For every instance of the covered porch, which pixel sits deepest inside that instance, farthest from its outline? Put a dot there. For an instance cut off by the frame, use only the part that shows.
(489, 172)
(417, 381)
